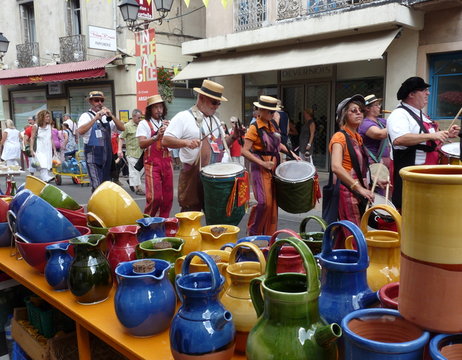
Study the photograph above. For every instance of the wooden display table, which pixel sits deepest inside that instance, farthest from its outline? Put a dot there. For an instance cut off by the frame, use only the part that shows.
(99, 319)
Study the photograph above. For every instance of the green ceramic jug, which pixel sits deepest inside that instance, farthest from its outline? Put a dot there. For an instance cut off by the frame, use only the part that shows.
(289, 324)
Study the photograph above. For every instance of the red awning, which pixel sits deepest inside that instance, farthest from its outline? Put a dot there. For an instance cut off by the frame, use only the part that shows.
(53, 73)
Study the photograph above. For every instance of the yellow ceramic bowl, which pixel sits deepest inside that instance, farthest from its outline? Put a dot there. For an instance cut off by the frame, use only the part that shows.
(34, 184)
(211, 241)
(113, 205)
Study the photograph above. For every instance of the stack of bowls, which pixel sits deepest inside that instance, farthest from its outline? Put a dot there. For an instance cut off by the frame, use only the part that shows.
(110, 205)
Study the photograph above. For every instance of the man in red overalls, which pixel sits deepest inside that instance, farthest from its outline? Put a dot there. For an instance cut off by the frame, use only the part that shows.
(415, 137)
(157, 161)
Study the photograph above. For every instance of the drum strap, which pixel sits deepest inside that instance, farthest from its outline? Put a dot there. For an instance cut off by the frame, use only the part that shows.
(419, 120)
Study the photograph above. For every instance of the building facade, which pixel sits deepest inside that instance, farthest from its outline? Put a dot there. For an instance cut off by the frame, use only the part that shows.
(61, 49)
(311, 54)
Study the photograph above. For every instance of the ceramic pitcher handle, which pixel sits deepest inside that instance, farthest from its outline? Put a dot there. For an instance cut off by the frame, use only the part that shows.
(256, 295)
(309, 262)
(228, 245)
(318, 219)
(283, 231)
(255, 249)
(363, 257)
(394, 214)
(215, 273)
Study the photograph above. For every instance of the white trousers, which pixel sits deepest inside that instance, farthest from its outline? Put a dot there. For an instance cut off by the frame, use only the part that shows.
(134, 176)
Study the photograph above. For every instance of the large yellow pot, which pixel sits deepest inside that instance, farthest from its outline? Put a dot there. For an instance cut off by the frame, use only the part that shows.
(383, 248)
(34, 184)
(188, 230)
(431, 247)
(211, 241)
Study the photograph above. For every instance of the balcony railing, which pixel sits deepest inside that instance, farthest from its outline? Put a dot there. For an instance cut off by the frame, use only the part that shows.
(249, 14)
(28, 55)
(72, 48)
(288, 9)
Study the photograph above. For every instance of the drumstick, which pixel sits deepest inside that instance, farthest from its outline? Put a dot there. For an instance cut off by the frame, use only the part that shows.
(374, 184)
(453, 121)
(387, 190)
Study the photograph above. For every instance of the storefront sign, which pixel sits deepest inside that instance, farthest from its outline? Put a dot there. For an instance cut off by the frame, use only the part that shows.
(102, 38)
(306, 73)
(146, 66)
(145, 11)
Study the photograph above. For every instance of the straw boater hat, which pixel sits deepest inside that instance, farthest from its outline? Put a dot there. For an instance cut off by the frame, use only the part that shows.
(212, 90)
(155, 99)
(370, 99)
(95, 95)
(267, 102)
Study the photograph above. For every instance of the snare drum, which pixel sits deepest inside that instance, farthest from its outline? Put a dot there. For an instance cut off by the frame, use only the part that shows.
(451, 153)
(294, 186)
(218, 181)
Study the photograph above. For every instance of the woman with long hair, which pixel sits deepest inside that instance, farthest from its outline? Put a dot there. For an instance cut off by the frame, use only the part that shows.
(41, 140)
(11, 144)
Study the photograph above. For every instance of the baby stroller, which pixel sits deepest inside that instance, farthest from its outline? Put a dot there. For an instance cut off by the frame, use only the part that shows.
(75, 167)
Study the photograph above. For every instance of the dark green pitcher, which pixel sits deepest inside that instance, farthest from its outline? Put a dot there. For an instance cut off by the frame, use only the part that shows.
(289, 324)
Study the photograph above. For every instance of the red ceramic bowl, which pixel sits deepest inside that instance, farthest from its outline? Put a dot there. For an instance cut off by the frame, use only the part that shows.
(35, 253)
(388, 295)
(76, 217)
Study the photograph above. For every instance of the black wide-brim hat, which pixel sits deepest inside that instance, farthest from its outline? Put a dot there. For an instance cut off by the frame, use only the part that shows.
(412, 84)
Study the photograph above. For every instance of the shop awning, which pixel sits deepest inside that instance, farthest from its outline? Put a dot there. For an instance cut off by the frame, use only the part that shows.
(366, 46)
(53, 73)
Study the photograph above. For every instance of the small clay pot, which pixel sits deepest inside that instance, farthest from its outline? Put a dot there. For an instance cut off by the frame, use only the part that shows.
(388, 295)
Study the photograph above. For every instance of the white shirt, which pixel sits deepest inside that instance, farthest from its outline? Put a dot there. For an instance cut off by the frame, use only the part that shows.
(144, 129)
(85, 118)
(183, 126)
(400, 123)
(71, 125)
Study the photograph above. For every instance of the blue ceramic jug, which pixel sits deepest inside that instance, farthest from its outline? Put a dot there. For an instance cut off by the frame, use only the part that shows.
(58, 264)
(144, 302)
(202, 325)
(446, 346)
(343, 277)
(382, 334)
(150, 228)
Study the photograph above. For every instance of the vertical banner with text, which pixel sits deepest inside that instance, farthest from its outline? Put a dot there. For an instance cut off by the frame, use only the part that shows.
(146, 69)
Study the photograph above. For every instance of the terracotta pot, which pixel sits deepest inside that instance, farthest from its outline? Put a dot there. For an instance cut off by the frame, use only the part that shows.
(388, 295)
(431, 250)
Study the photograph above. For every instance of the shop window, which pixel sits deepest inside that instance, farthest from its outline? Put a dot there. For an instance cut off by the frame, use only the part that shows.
(446, 85)
(28, 22)
(74, 19)
(26, 104)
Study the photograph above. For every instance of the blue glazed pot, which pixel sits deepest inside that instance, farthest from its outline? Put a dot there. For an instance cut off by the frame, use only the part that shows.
(344, 285)
(40, 222)
(58, 264)
(150, 228)
(144, 302)
(202, 325)
(382, 334)
(5, 235)
(444, 347)
(19, 199)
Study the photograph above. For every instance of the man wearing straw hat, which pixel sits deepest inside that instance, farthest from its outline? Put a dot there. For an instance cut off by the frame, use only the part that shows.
(95, 127)
(198, 133)
(415, 138)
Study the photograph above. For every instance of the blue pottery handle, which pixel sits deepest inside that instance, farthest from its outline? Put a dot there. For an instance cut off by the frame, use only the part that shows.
(215, 273)
(230, 245)
(309, 262)
(363, 258)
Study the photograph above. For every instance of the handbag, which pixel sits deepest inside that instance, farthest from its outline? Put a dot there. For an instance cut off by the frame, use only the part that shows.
(140, 163)
(330, 199)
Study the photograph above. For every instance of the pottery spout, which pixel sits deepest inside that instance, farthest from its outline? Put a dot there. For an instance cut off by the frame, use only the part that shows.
(326, 335)
(220, 319)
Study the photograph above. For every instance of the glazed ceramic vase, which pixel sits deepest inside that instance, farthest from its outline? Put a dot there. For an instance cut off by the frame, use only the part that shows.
(58, 264)
(122, 242)
(188, 230)
(144, 301)
(431, 247)
(383, 248)
(382, 334)
(202, 328)
(313, 238)
(90, 275)
(446, 347)
(211, 241)
(237, 297)
(150, 228)
(344, 285)
(289, 259)
(289, 324)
